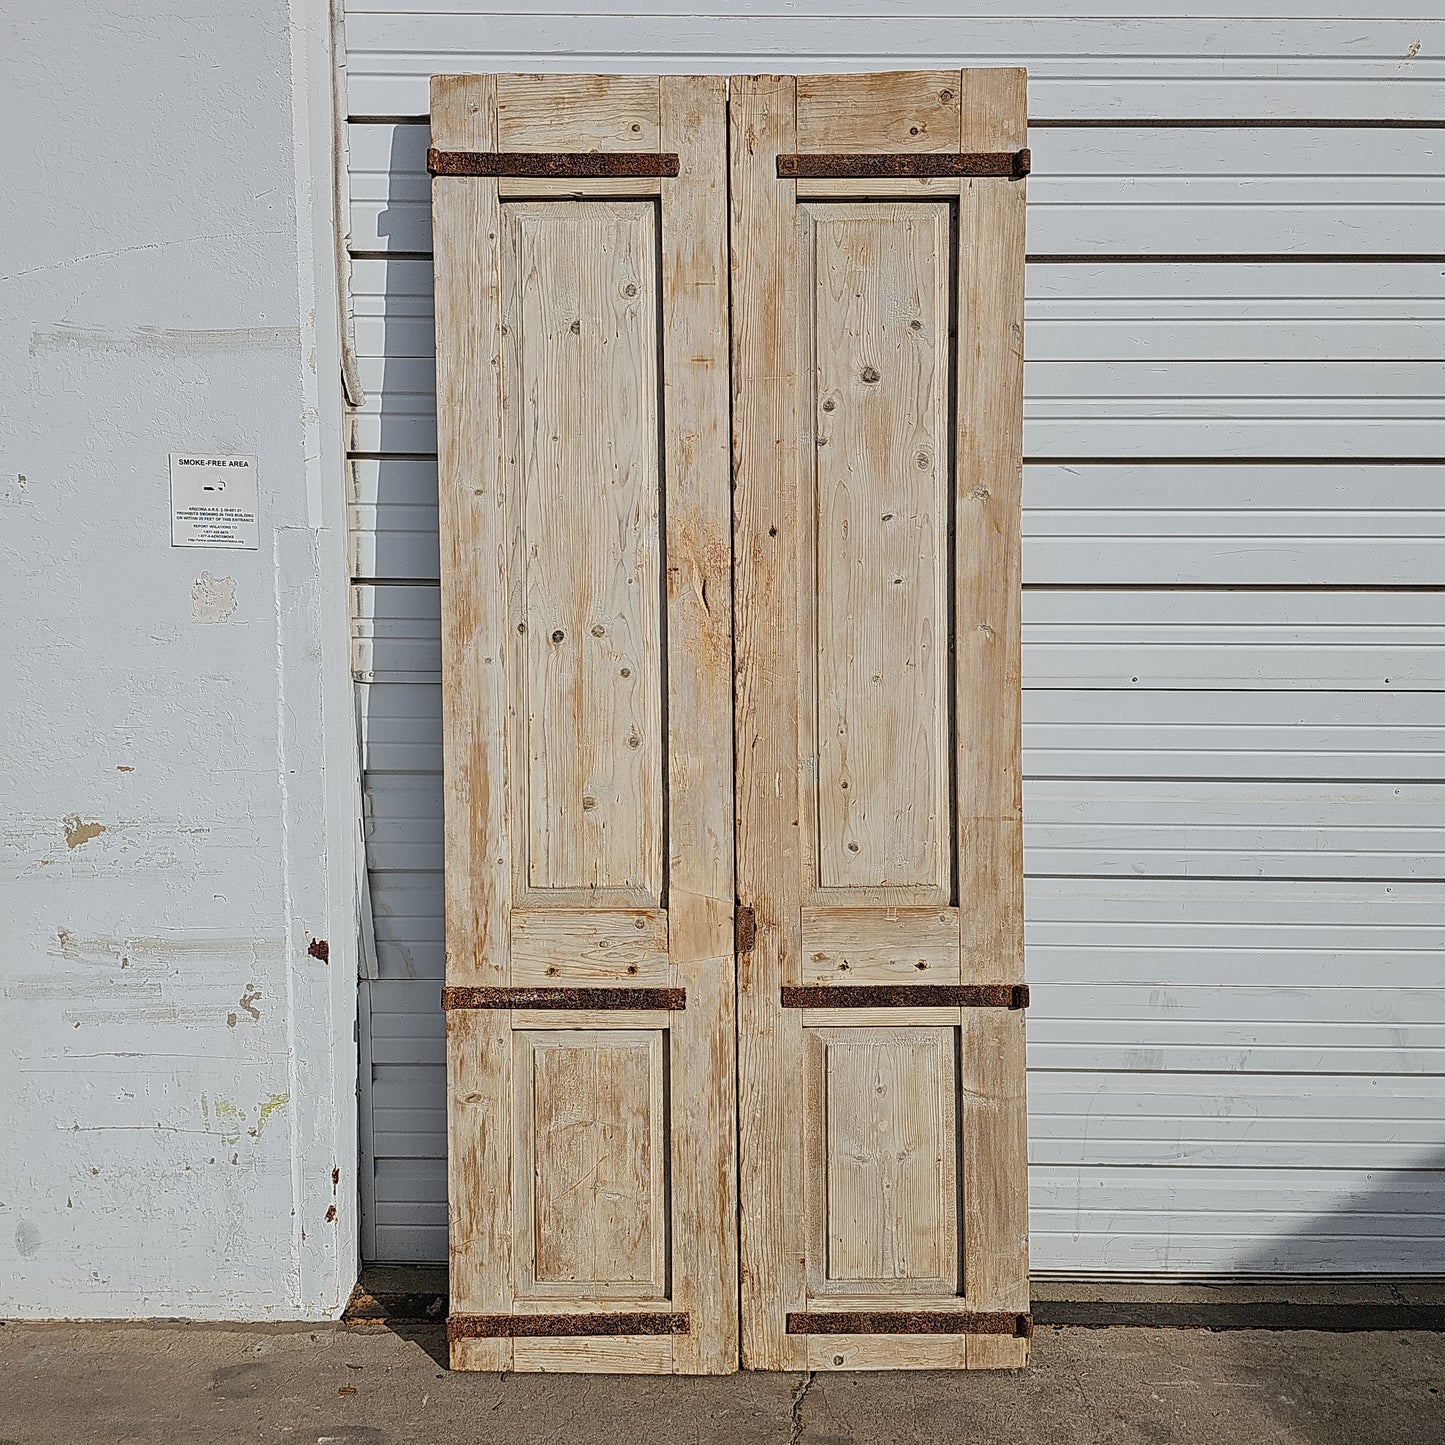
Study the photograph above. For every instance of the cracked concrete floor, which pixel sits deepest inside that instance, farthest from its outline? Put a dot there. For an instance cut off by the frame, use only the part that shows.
(376, 1385)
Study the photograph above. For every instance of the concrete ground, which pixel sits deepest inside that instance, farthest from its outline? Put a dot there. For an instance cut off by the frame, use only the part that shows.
(382, 1384)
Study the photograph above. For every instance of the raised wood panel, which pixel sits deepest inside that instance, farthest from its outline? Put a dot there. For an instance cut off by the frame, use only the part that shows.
(580, 378)
(578, 113)
(628, 946)
(912, 110)
(880, 945)
(883, 1174)
(591, 1161)
(877, 280)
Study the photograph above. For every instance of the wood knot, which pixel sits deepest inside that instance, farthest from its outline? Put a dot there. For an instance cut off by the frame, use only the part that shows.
(870, 374)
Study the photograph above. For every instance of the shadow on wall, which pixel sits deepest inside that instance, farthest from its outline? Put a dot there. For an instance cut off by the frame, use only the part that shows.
(1392, 1223)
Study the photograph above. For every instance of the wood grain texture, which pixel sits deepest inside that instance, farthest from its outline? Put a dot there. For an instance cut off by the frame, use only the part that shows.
(590, 1171)
(617, 1172)
(989, 505)
(880, 945)
(882, 1162)
(578, 113)
(901, 110)
(766, 546)
(877, 280)
(580, 374)
(476, 826)
(698, 593)
(858, 312)
(622, 946)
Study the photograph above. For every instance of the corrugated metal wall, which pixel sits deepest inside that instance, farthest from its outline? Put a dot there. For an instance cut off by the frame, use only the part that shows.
(1233, 624)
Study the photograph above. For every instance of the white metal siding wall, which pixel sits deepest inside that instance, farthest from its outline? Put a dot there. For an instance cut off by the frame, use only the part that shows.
(1234, 545)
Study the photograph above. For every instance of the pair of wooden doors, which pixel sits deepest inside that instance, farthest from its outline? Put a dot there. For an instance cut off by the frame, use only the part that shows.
(728, 399)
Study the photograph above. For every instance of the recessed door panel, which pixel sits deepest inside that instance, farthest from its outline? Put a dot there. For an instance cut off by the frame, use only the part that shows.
(878, 278)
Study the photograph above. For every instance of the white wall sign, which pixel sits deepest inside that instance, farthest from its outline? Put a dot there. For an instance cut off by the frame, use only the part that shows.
(214, 501)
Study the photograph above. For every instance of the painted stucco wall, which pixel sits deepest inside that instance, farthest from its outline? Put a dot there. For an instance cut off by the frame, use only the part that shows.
(177, 859)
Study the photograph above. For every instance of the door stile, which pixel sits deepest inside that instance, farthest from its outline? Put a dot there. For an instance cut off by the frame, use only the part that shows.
(989, 510)
(766, 550)
(700, 897)
(466, 221)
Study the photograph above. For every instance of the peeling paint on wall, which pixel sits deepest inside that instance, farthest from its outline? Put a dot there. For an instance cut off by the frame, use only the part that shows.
(213, 599)
(79, 831)
(248, 1003)
(272, 1105)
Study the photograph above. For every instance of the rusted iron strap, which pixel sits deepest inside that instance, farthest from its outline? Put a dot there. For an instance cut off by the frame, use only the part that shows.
(906, 995)
(551, 165)
(912, 1322)
(672, 999)
(489, 1327)
(1013, 164)
(745, 929)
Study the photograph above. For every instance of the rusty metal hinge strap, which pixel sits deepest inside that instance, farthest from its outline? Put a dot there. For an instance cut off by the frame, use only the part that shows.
(906, 995)
(912, 1322)
(672, 999)
(1014, 165)
(552, 165)
(745, 929)
(492, 1327)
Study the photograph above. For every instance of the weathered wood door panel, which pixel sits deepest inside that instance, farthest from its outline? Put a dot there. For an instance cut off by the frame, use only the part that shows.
(582, 322)
(612, 1044)
(877, 352)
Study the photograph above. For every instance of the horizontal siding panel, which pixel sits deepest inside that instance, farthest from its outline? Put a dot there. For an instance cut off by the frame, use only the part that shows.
(1332, 641)
(1083, 1119)
(1192, 1219)
(1133, 66)
(1227, 829)
(1126, 191)
(1229, 735)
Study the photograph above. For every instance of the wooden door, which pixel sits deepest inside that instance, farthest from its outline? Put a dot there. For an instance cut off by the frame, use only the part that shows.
(582, 409)
(877, 252)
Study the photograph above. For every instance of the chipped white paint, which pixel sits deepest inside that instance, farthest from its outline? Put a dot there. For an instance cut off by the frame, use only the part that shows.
(178, 1068)
(213, 599)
